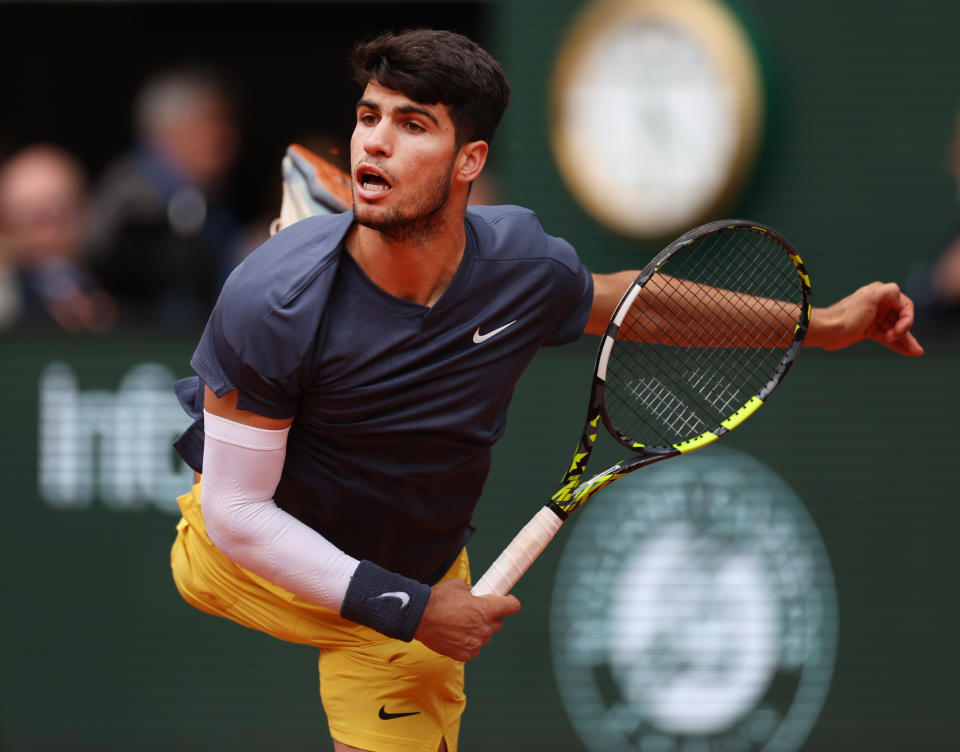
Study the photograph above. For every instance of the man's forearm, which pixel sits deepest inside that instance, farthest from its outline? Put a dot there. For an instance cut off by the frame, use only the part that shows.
(242, 467)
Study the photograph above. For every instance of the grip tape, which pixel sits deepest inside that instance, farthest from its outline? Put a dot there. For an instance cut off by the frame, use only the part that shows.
(517, 557)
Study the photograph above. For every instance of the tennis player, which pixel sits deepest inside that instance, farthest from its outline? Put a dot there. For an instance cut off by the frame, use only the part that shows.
(353, 378)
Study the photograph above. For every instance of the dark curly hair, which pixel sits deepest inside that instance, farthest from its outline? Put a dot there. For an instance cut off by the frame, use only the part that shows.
(439, 67)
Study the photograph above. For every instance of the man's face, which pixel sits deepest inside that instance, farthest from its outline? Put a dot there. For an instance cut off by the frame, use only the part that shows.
(43, 208)
(204, 142)
(402, 153)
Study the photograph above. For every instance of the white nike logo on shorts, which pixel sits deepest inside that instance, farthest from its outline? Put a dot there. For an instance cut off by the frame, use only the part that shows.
(478, 338)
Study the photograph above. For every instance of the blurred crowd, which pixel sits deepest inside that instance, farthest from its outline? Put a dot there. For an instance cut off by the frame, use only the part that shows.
(150, 241)
(934, 282)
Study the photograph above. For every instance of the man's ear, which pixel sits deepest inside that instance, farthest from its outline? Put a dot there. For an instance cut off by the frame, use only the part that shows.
(470, 161)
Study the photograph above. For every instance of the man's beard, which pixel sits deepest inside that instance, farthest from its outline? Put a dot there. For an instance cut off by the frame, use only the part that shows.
(414, 223)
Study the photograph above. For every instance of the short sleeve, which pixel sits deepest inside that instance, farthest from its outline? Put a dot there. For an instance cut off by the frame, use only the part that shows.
(574, 293)
(514, 233)
(263, 330)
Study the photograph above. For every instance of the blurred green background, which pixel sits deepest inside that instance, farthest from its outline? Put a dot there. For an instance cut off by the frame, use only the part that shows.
(100, 653)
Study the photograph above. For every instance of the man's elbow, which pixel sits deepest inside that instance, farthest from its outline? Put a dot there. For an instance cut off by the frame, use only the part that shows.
(224, 528)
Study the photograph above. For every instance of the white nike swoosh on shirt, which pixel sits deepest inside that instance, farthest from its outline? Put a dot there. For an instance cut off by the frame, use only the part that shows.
(404, 598)
(478, 338)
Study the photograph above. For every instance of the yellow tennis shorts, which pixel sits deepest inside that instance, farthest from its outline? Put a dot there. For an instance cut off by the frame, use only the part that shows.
(378, 693)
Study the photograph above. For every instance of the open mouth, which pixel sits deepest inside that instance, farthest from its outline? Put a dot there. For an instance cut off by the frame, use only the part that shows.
(371, 179)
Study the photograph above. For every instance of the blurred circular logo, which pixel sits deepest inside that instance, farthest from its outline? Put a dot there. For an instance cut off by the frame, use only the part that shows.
(694, 609)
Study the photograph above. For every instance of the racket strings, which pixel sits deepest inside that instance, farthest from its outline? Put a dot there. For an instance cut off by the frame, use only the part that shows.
(663, 394)
(744, 281)
(751, 279)
(657, 398)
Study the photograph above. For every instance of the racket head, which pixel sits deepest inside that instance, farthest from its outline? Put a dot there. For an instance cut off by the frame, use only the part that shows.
(666, 399)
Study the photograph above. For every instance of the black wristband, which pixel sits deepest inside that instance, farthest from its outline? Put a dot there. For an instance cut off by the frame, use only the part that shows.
(385, 601)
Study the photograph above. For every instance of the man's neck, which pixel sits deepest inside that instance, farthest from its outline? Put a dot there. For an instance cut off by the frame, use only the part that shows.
(417, 270)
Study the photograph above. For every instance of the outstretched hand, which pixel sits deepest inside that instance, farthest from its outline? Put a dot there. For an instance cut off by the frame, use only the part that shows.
(878, 311)
(457, 624)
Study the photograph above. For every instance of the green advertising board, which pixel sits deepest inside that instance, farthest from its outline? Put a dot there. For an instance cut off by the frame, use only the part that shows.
(849, 538)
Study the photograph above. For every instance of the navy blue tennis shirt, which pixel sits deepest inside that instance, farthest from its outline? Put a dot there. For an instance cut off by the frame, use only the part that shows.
(396, 406)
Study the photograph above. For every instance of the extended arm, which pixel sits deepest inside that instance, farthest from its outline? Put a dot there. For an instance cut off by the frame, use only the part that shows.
(876, 311)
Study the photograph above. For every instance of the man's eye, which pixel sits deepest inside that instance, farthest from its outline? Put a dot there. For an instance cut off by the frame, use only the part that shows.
(414, 127)
(368, 118)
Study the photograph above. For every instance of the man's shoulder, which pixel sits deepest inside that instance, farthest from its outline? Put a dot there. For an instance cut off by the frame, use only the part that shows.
(510, 232)
(288, 263)
(505, 217)
(506, 231)
(310, 239)
(275, 298)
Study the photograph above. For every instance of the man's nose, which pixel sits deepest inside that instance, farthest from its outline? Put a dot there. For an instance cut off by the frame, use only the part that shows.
(377, 140)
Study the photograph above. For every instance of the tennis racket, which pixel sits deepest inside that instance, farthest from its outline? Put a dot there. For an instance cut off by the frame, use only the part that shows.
(696, 344)
(311, 185)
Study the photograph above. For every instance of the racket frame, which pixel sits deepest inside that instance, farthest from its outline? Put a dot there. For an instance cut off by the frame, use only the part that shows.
(573, 492)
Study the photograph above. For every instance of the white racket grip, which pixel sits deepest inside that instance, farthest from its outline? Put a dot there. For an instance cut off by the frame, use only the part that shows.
(520, 554)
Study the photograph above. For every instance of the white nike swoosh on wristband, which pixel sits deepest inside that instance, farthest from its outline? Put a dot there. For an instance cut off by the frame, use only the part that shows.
(404, 598)
(478, 338)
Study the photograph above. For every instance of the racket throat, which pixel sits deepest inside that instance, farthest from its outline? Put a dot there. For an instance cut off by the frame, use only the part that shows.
(571, 497)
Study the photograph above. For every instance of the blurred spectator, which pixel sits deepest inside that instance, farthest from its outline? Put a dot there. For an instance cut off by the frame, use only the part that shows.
(166, 234)
(946, 271)
(935, 285)
(44, 214)
(10, 300)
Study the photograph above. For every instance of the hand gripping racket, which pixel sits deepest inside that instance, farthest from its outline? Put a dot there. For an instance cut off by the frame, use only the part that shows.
(696, 344)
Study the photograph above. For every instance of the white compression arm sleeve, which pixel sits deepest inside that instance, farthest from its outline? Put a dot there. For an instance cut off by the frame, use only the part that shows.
(241, 469)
